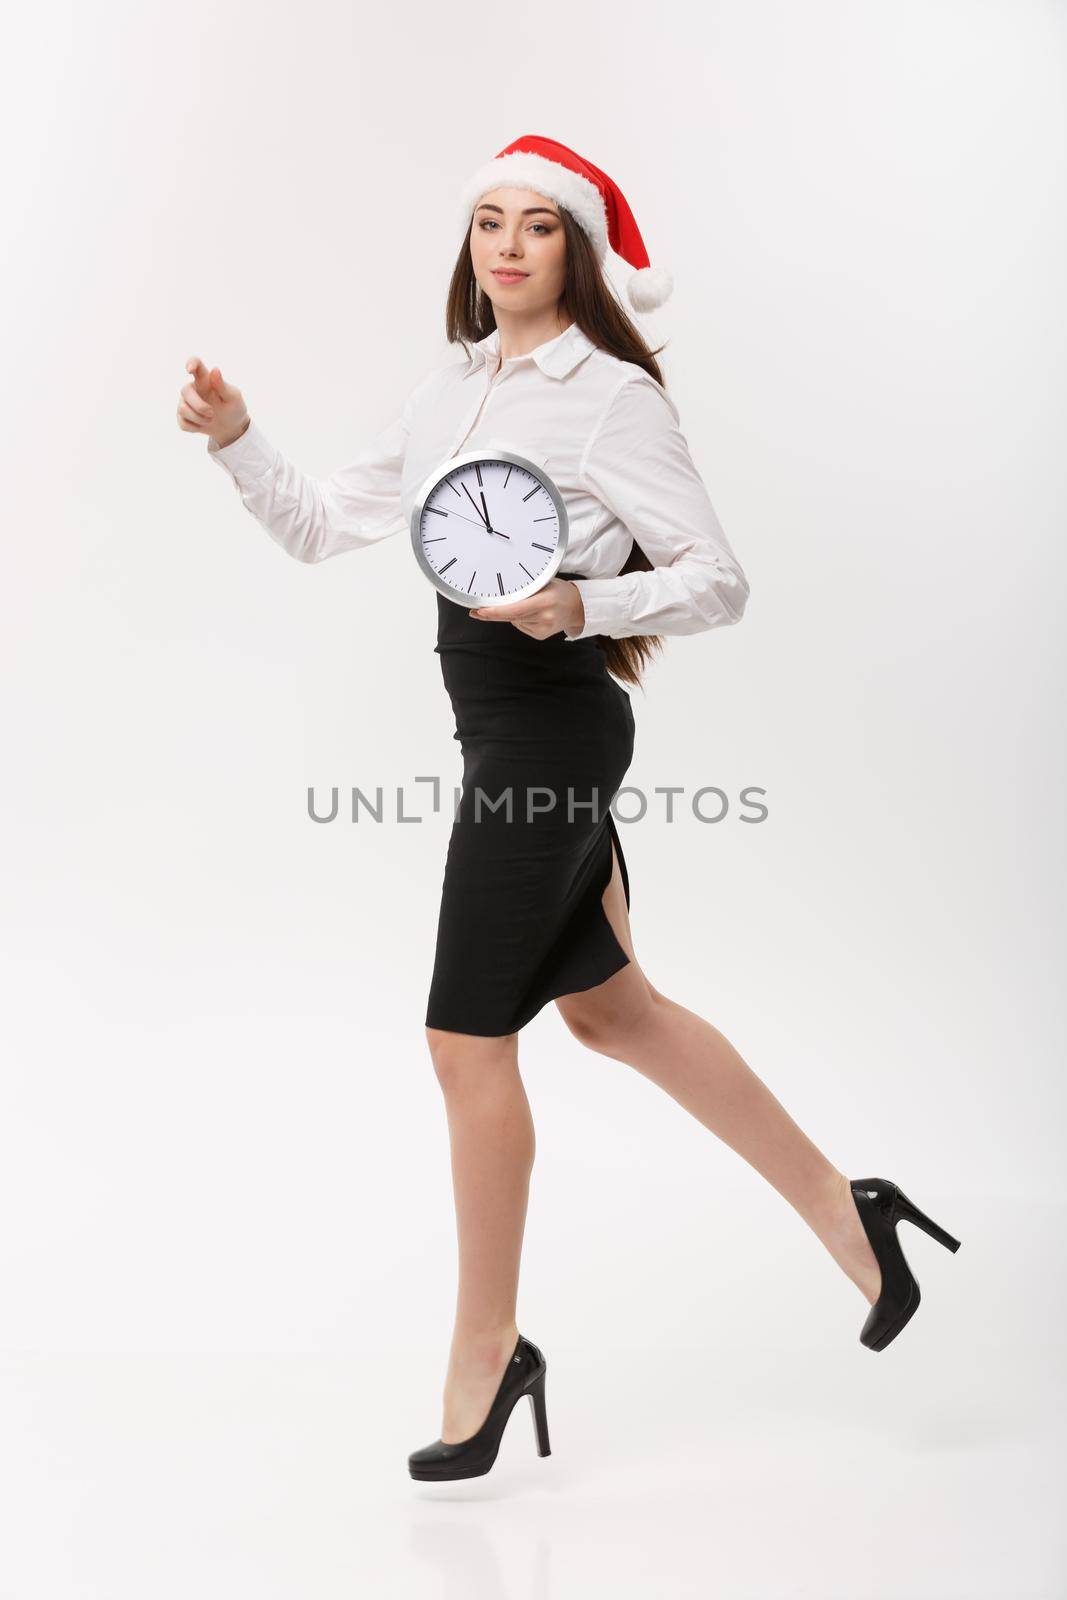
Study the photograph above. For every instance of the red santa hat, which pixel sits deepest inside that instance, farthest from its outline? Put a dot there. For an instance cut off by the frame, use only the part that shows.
(596, 203)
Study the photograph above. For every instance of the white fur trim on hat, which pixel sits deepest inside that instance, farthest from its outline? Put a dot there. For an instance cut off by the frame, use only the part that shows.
(649, 287)
(525, 169)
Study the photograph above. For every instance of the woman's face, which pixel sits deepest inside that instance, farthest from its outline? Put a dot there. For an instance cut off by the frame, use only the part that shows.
(518, 231)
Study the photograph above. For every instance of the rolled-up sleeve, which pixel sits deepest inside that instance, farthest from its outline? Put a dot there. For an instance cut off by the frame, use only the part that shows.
(315, 518)
(637, 463)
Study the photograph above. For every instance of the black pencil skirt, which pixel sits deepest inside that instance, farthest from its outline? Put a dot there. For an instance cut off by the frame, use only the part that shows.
(547, 735)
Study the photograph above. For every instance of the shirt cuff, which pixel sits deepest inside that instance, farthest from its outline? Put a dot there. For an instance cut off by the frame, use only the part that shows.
(605, 602)
(250, 456)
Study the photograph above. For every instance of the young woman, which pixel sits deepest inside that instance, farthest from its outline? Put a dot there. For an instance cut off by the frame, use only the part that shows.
(535, 902)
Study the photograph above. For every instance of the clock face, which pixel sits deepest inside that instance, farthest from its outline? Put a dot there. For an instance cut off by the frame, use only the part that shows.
(489, 526)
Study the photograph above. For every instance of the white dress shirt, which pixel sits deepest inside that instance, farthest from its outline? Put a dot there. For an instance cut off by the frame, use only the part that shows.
(606, 433)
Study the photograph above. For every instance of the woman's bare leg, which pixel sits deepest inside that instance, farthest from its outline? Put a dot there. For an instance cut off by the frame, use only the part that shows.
(628, 1019)
(491, 1135)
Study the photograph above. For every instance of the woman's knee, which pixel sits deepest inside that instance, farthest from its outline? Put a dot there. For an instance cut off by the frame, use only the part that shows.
(462, 1060)
(609, 1017)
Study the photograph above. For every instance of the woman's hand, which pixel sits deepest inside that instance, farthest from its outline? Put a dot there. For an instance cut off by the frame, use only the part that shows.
(557, 606)
(210, 405)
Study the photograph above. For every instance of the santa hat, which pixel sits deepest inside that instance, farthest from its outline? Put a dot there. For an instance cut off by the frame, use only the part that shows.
(596, 203)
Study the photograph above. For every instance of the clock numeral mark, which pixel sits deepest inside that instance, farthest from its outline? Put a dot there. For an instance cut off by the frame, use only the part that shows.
(478, 472)
(510, 470)
(537, 546)
(500, 583)
(439, 540)
(470, 585)
(531, 494)
(528, 573)
(545, 519)
(439, 513)
(448, 564)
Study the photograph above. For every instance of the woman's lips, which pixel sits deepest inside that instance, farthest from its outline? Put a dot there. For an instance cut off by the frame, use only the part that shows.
(509, 277)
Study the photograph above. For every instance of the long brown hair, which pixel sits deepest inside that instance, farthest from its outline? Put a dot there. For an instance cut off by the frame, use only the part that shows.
(587, 299)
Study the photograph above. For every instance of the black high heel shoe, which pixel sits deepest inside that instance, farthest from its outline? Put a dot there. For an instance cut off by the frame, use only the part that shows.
(469, 1458)
(881, 1206)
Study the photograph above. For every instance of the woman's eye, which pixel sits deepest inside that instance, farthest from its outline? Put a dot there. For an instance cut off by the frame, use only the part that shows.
(488, 222)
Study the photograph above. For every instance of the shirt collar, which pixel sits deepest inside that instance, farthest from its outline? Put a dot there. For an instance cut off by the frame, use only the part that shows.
(556, 357)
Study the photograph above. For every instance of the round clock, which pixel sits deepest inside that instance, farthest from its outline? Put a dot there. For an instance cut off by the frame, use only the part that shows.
(489, 527)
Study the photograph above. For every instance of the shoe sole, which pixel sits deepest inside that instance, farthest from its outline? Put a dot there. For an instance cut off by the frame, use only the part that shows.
(449, 1477)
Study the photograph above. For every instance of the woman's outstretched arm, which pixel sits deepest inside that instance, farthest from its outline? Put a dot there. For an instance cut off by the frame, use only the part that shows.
(311, 518)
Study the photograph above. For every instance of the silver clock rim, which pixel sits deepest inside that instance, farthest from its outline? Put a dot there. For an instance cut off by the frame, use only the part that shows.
(466, 458)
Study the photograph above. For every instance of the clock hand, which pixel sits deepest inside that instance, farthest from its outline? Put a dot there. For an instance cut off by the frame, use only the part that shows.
(478, 524)
(474, 503)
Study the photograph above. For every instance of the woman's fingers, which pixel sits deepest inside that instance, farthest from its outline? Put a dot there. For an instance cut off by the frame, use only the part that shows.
(196, 413)
(533, 616)
(225, 390)
(207, 383)
(195, 403)
(190, 420)
(201, 376)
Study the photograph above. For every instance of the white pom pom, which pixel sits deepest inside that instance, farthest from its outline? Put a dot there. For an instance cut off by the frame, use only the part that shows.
(649, 287)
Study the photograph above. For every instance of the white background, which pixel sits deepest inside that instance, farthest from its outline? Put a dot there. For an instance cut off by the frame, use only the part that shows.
(227, 1263)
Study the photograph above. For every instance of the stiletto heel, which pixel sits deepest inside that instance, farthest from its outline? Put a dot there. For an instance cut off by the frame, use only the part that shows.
(470, 1458)
(881, 1205)
(911, 1213)
(536, 1392)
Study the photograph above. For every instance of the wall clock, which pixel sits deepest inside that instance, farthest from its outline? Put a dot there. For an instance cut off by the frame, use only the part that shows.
(489, 526)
